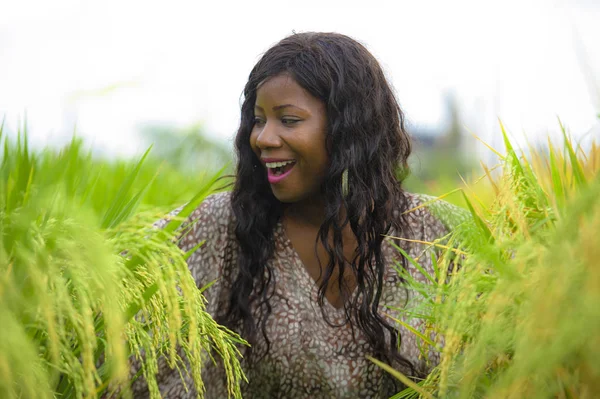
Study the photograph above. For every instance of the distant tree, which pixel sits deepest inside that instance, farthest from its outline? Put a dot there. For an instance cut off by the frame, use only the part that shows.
(186, 149)
(441, 156)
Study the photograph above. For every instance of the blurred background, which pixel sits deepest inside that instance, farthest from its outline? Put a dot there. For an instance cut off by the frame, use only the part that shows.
(122, 75)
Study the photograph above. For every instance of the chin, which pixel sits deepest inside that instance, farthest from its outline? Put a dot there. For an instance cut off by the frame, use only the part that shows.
(287, 193)
(291, 197)
(284, 197)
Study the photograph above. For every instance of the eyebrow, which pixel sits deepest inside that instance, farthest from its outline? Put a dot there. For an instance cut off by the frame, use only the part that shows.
(282, 106)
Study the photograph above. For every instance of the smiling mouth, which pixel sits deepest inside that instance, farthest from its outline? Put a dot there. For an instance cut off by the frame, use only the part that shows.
(279, 168)
(277, 171)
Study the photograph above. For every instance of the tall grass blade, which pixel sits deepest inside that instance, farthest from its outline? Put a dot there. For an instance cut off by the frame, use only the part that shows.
(402, 378)
(557, 183)
(483, 228)
(575, 165)
(118, 203)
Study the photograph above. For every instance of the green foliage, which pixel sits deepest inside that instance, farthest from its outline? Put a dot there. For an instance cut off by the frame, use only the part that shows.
(438, 160)
(186, 149)
(86, 282)
(517, 287)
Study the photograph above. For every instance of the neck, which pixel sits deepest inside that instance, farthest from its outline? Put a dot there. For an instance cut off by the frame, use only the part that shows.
(310, 211)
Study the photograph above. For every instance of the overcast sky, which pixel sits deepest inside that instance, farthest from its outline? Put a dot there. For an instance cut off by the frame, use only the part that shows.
(111, 66)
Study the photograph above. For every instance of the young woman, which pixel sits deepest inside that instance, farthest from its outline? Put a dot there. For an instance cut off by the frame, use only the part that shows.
(298, 250)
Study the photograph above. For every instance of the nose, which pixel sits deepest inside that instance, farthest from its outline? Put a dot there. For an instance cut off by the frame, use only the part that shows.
(268, 137)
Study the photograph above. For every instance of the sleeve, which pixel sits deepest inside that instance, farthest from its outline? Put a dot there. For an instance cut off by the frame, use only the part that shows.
(209, 224)
(442, 217)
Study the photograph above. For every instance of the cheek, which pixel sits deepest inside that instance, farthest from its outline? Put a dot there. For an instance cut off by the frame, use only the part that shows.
(252, 141)
(323, 152)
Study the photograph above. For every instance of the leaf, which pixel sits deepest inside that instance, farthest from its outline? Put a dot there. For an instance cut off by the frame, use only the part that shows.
(194, 203)
(414, 331)
(478, 221)
(512, 155)
(119, 200)
(575, 165)
(557, 183)
(404, 379)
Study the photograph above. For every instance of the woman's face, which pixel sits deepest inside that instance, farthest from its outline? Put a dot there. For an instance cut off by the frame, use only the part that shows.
(289, 138)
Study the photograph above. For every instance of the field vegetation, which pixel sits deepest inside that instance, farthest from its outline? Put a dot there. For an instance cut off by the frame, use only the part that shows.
(514, 305)
(87, 283)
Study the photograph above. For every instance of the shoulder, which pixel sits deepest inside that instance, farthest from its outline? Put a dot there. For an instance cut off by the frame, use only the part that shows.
(430, 217)
(208, 234)
(215, 207)
(211, 221)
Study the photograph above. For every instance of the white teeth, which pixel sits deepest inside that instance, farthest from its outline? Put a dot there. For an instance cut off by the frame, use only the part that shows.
(277, 164)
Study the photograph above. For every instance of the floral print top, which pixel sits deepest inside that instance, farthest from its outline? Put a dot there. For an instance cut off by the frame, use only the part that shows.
(308, 357)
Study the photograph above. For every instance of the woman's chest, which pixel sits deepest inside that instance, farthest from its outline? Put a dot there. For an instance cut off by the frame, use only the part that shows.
(310, 349)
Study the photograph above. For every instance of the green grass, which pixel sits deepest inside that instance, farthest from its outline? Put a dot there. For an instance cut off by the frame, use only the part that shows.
(515, 308)
(87, 284)
(85, 281)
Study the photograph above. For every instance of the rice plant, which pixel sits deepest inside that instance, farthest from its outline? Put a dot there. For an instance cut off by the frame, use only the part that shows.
(515, 308)
(87, 285)
(86, 282)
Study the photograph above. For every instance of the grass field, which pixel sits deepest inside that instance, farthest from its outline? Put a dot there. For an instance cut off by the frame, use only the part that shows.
(517, 297)
(516, 301)
(86, 282)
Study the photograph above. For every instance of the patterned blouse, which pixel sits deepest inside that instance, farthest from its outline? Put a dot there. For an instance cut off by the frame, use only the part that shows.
(308, 357)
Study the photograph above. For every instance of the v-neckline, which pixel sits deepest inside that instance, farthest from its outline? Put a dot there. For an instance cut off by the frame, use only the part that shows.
(304, 274)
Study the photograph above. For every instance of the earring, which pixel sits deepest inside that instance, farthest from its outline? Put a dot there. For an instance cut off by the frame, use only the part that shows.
(345, 183)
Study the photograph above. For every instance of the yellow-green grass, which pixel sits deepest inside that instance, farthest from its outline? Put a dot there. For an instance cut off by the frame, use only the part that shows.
(516, 307)
(86, 282)
(79, 259)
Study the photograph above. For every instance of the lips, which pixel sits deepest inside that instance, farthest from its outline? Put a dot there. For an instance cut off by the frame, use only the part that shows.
(278, 169)
(273, 178)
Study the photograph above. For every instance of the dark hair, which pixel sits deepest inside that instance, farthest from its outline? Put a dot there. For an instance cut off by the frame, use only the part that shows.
(366, 136)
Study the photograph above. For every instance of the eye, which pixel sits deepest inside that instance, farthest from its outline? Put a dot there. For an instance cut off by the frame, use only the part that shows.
(289, 121)
(258, 121)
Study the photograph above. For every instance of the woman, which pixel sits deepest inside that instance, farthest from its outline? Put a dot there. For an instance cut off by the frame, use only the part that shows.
(298, 251)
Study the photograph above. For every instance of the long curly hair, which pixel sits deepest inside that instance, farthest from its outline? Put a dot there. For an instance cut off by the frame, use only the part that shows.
(366, 136)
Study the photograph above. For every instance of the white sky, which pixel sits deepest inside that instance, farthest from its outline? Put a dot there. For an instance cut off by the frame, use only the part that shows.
(109, 66)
